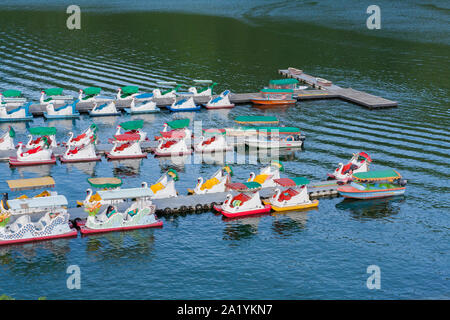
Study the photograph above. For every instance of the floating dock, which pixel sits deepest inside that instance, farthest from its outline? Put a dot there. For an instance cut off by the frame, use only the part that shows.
(205, 202)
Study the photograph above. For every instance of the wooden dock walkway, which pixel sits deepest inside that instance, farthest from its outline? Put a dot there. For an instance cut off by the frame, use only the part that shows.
(204, 202)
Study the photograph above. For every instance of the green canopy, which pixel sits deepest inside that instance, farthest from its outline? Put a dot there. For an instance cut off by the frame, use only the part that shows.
(179, 124)
(266, 90)
(12, 133)
(281, 82)
(12, 93)
(280, 130)
(53, 91)
(132, 125)
(105, 183)
(387, 174)
(256, 119)
(130, 89)
(92, 91)
(43, 131)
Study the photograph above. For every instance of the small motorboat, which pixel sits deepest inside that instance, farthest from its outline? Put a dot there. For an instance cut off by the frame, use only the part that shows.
(213, 140)
(246, 203)
(216, 183)
(358, 163)
(164, 187)
(220, 102)
(132, 127)
(7, 140)
(83, 153)
(275, 97)
(41, 132)
(293, 197)
(185, 104)
(84, 138)
(140, 214)
(13, 107)
(374, 184)
(93, 202)
(147, 106)
(104, 109)
(42, 154)
(275, 138)
(268, 174)
(126, 146)
(66, 111)
(127, 93)
(287, 83)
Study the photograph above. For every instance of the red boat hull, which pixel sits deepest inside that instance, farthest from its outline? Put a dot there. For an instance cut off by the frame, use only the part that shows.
(273, 102)
(170, 154)
(70, 234)
(266, 209)
(14, 162)
(139, 156)
(79, 160)
(86, 230)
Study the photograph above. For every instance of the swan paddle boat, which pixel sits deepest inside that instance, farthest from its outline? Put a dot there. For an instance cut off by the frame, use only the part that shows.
(216, 183)
(173, 142)
(132, 127)
(140, 214)
(142, 107)
(42, 154)
(126, 146)
(164, 187)
(127, 93)
(185, 104)
(66, 111)
(53, 96)
(178, 129)
(247, 202)
(204, 91)
(374, 184)
(13, 107)
(93, 202)
(167, 93)
(104, 109)
(268, 174)
(294, 196)
(7, 140)
(90, 94)
(358, 163)
(275, 138)
(213, 140)
(275, 97)
(82, 153)
(84, 138)
(41, 132)
(220, 102)
(53, 224)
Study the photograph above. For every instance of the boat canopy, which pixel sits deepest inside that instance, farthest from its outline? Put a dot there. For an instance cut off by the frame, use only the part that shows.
(40, 202)
(132, 125)
(179, 124)
(376, 175)
(130, 89)
(127, 137)
(53, 91)
(276, 91)
(292, 182)
(283, 81)
(105, 183)
(92, 91)
(365, 156)
(33, 183)
(130, 193)
(256, 119)
(214, 132)
(203, 81)
(274, 130)
(12, 93)
(43, 131)
(244, 186)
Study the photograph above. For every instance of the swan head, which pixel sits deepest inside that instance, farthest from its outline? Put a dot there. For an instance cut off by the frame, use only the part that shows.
(144, 184)
(252, 176)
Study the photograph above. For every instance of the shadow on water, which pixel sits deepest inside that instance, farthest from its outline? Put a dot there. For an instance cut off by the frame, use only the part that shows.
(372, 209)
(127, 167)
(241, 228)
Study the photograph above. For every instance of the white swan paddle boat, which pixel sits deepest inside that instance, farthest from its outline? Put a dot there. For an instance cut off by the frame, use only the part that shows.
(173, 142)
(294, 196)
(220, 102)
(142, 107)
(358, 163)
(13, 107)
(216, 183)
(140, 214)
(126, 146)
(53, 96)
(7, 140)
(164, 187)
(42, 154)
(104, 109)
(184, 104)
(90, 94)
(168, 93)
(82, 153)
(132, 127)
(247, 202)
(127, 93)
(204, 91)
(267, 174)
(85, 137)
(178, 129)
(66, 111)
(213, 140)
(41, 132)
